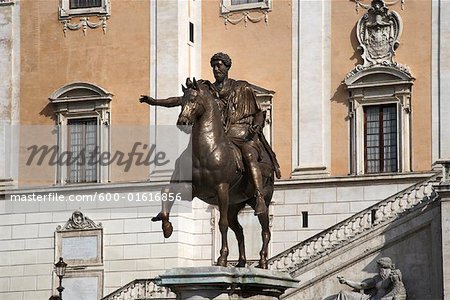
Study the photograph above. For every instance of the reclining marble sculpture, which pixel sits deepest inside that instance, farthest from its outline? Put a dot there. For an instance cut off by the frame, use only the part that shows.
(387, 285)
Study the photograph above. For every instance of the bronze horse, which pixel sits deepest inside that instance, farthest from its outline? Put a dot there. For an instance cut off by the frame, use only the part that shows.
(216, 176)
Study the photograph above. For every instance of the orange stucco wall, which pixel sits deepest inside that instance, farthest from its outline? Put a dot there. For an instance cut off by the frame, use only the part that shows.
(414, 51)
(261, 54)
(117, 61)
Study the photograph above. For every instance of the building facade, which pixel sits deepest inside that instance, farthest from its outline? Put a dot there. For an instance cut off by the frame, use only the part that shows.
(356, 99)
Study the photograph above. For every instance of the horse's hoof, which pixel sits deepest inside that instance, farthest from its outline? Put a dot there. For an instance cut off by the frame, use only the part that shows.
(241, 264)
(222, 262)
(167, 229)
(262, 265)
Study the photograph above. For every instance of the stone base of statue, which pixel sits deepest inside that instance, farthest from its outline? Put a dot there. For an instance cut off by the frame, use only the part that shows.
(226, 283)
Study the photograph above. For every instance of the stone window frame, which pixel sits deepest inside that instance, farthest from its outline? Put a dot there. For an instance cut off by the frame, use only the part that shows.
(264, 97)
(227, 7)
(66, 12)
(380, 85)
(93, 102)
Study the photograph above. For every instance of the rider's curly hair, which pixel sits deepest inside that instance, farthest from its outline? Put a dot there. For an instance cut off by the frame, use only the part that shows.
(223, 57)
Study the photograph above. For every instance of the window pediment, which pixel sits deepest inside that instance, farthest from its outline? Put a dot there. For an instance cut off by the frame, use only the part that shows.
(80, 94)
(376, 76)
(76, 88)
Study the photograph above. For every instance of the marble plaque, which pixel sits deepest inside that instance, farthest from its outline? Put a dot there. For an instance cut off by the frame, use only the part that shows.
(80, 247)
(85, 288)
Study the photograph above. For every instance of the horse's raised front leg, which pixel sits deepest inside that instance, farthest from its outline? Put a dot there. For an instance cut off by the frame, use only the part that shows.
(233, 221)
(223, 197)
(265, 234)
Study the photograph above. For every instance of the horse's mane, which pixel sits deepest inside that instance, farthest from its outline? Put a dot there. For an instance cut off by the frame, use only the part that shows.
(206, 83)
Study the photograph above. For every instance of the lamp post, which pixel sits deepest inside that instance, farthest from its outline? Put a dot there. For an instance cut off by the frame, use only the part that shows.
(60, 268)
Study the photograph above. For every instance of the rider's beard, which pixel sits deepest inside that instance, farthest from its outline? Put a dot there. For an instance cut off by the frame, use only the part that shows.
(219, 76)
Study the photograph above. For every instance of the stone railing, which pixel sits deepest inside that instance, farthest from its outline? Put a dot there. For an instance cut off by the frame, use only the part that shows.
(141, 289)
(326, 241)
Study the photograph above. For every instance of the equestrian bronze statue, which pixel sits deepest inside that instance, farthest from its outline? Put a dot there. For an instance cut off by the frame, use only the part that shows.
(232, 163)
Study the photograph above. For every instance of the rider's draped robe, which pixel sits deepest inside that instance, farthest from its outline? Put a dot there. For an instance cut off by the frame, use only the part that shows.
(238, 104)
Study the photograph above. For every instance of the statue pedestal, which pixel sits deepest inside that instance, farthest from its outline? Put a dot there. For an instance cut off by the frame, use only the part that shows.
(226, 282)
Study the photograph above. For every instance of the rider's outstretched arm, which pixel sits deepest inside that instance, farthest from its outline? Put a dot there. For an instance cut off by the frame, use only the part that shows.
(169, 102)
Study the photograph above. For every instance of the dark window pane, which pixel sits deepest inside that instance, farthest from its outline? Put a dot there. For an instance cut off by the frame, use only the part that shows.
(82, 144)
(85, 3)
(191, 32)
(235, 2)
(304, 219)
(380, 138)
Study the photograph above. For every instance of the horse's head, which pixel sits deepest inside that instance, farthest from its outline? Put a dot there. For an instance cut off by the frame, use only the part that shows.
(192, 105)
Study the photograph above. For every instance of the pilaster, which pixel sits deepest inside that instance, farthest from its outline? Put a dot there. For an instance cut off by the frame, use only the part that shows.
(440, 79)
(9, 88)
(311, 88)
(173, 58)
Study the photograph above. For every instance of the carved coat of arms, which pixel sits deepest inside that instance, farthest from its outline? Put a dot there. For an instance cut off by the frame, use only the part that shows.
(379, 32)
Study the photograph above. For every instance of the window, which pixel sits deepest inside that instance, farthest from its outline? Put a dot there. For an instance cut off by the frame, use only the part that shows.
(304, 219)
(83, 123)
(82, 145)
(236, 2)
(380, 120)
(191, 32)
(70, 8)
(74, 4)
(380, 138)
(228, 6)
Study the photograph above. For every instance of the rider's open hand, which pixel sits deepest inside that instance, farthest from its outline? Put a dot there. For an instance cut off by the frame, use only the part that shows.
(146, 99)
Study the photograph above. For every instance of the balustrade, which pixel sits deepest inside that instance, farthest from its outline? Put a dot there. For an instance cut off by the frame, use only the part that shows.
(373, 216)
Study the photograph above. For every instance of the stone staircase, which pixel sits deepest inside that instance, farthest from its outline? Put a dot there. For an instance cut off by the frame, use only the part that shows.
(141, 289)
(320, 245)
(372, 217)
